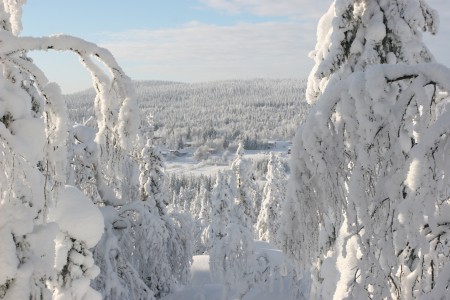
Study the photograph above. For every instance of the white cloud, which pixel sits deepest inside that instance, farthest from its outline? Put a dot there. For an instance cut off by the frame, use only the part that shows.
(203, 52)
(304, 8)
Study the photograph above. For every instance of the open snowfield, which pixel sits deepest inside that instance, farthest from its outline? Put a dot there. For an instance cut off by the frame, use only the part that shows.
(184, 162)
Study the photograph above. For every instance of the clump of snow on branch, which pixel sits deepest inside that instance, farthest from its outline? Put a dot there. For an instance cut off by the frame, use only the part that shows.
(355, 34)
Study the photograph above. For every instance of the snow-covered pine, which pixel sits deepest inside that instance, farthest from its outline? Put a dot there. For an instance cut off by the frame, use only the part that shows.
(202, 217)
(354, 34)
(269, 218)
(153, 178)
(118, 279)
(157, 245)
(37, 209)
(239, 247)
(116, 109)
(111, 158)
(82, 161)
(27, 247)
(222, 203)
(81, 227)
(196, 204)
(367, 210)
(228, 240)
(247, 191)
(204, 198)
(389, 150)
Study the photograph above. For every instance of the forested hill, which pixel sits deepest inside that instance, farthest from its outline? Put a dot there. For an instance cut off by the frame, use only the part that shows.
(215, 113)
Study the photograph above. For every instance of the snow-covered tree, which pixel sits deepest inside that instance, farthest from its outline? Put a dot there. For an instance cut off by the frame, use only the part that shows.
(269, 219)
(82, 160)
(367, 205)
(358, 33)
(27, 247)
(221, 202)
(239, 251)
(157, 245)
(202, 217)
(204, 197)
(153, 178)
(118, 278)
(247, 193)
(45, 245)
(81, 225)
(230, 241)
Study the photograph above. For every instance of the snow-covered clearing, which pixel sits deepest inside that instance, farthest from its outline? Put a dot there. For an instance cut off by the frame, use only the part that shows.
(184, 162)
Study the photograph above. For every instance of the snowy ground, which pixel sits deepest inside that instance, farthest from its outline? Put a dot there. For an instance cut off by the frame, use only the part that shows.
(183, 161)
(203, 285)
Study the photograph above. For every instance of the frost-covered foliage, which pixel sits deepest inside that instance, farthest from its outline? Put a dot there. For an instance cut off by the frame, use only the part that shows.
(247, 191)
(230, 240)
(146, 252)
(222, 203)
(202, 218)
(149, 250)
(152, 179)
(369, 190)
(367, 210)
(47, 228)
(215, 115)
(354, 34)
(159, 248)
(118, 279)
(158, 245)
(269, 218)
(81, 225)
(371, 183)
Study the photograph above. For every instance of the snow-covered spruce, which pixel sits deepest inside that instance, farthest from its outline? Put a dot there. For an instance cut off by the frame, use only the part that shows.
(36, 208)
(222, 201)
(354, 34)
(371, 151)
(35, 165)
(229, 241)
(374, 149)
(81, 225)
(247, 191)
(202, 219)
(269, 218)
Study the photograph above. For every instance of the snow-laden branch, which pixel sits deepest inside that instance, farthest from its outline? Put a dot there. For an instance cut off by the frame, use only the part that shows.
(124, 121)
(369, 173)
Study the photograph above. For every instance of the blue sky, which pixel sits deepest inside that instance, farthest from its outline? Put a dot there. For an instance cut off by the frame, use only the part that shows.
(191, 40)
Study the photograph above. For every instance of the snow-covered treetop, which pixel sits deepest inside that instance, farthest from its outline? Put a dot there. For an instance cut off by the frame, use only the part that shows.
(354, 34)
(14, 10)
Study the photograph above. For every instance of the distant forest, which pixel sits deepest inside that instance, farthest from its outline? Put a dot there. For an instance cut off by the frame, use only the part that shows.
(216, 114)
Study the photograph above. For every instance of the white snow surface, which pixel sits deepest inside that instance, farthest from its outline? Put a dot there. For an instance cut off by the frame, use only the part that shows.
(186, 163)
(30, 134)
(205, 286)
(78, 216)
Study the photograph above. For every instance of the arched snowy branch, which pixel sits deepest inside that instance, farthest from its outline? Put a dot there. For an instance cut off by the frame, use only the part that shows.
(121, 119)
